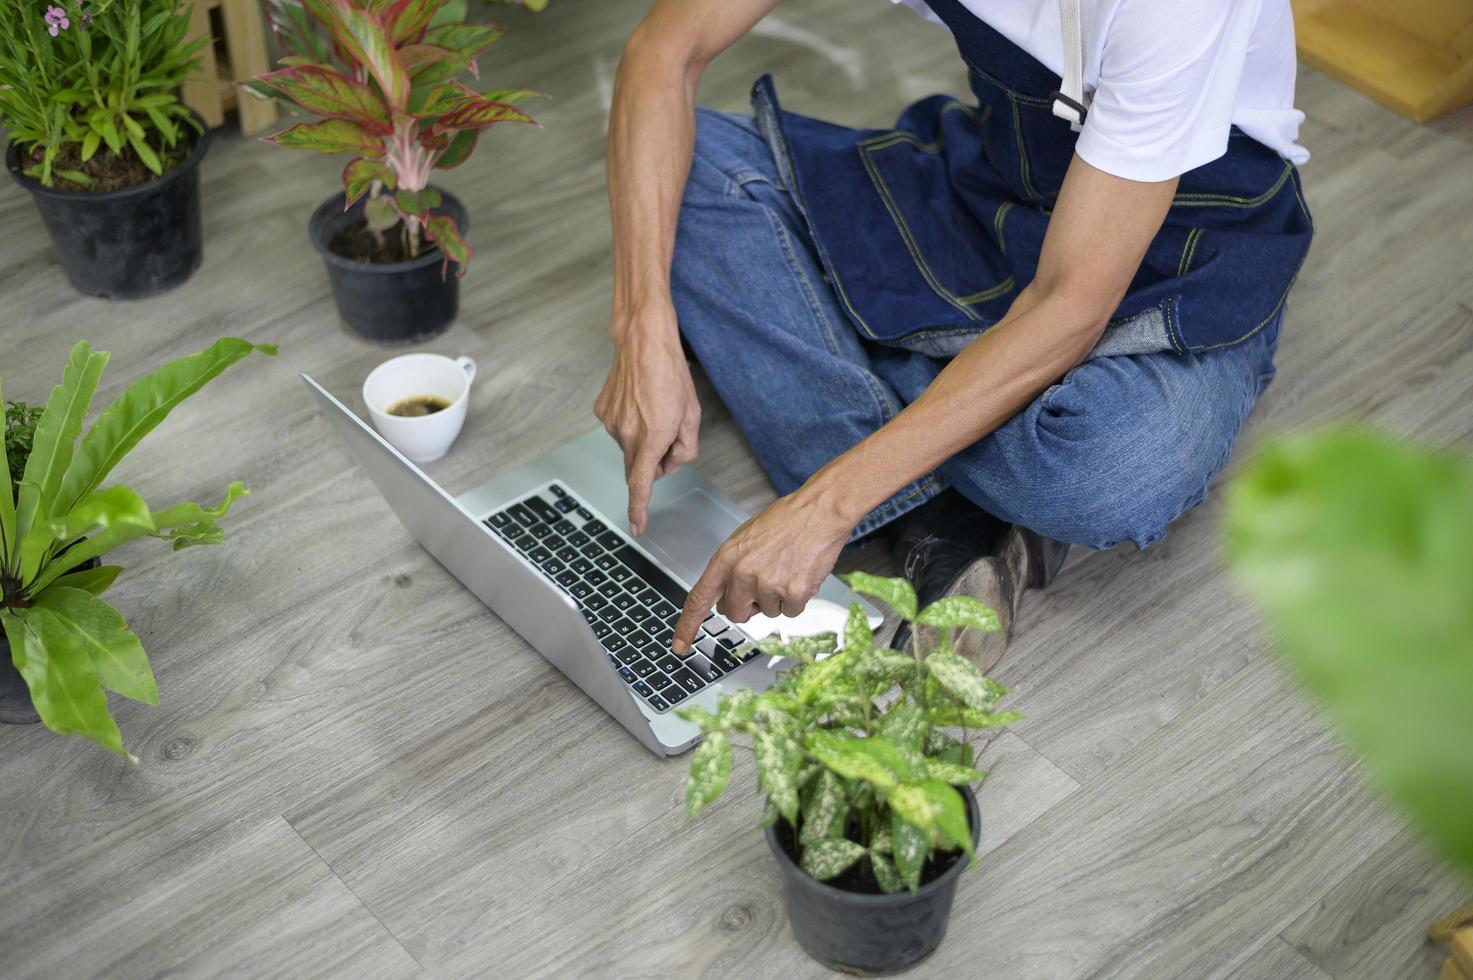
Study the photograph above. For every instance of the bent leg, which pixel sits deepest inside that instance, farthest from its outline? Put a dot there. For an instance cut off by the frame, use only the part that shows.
(753, 304)
(1116, 451)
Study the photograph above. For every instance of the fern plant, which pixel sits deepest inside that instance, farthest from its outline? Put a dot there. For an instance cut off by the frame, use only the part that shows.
(66, 642)
(860, 783)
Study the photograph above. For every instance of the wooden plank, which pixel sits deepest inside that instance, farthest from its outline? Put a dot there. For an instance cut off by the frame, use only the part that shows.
(1372, 923)
(245, 39)
(1277, 960)
(202, 87)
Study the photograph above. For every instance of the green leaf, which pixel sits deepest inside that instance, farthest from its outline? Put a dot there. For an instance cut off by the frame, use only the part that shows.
(778, 759)
(1359, 548)
(466, 40)
(100, 630)
(330, 136)
(406, 20)
(103, 509)
(952, 773)
(94, 580)
(710, 767)
(366, 40)
(451, 12)
(956, 611)
(380, 212)
(909, 846)
(872, 760)
(417, 203)
(7, 500)
(459, 150)
(43, 486)
(699, 717)
(932, 805)
(826, 810)
(894, 592)
(90, 142)
(443, 231)
(951, 717)
(329, 93)
(140, 408)
(963, 681)
(61, 676)
(816, 680)
(475, 111)
(858, 637)
(145, 152)
(826, 859)
(359, 176)
(189, 524)
(736, 710)
(886, 876)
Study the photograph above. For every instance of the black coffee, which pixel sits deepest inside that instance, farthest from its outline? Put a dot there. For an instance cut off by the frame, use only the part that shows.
(418, 405)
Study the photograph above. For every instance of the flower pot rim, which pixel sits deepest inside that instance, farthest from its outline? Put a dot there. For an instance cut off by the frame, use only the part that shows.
(974, 814)
(334, 205)
(201, 144)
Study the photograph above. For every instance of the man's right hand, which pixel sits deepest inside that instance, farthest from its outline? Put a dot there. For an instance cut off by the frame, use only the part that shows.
(648, 404)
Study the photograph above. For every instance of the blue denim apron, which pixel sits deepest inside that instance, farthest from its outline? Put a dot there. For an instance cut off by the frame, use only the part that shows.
(929, 231)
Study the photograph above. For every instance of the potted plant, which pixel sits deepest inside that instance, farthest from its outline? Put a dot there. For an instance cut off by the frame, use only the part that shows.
(383, 79)
(57, 519)
(98, 136)
(870, 812)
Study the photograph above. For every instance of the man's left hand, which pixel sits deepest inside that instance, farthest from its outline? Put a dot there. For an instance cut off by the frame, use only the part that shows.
(772, 564)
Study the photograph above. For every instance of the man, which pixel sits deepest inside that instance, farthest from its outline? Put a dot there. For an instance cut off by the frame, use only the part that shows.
(1007, 327)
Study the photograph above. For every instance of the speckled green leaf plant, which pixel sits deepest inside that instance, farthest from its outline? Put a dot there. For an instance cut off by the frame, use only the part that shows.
(69, 645)
(861, 784)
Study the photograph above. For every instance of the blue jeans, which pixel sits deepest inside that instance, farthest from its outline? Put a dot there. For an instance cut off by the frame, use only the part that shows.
(1116, 451)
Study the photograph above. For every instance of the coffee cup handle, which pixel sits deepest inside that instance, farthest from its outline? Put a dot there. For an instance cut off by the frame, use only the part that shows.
(469, 366)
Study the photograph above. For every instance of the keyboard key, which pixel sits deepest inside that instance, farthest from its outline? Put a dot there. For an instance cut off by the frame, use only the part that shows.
(657, 702)
(624, 627)
(553, 541)
(669, 663)
(565, 505)
(585, 513)
(726, 661)
(609, 540)
(606, 563)
(582, 590)
(543, 509)
(566, 553)
(524, 516)
(595, 528)
(566, 527)
(499, 519)
(748, 654)
(595, 577)
(730, 640)
(643, 667)
(665, 610)
(655, 649)
(649, 597)
(674, 694)
(663, 684)
(539, 555)
(643, 688)
(629, 676)
(704, 669)
(689, 682)
(624, 601)
(539, 531)
(567, 579)
(602, 630)
(554, 567)
(609, 589)
(654, 627)
(558, 490)
(652, 575)
(619, 573)
(596, 602)
(577, 539)
(523, 542)
(707, 646)
(663, 636)
(628, 656)
(582, 566)
(591, 551)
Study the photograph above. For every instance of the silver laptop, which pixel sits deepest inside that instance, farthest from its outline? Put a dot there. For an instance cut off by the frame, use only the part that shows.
(547, 548)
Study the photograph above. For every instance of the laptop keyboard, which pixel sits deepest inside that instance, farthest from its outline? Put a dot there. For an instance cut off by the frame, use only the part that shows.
(631, 604)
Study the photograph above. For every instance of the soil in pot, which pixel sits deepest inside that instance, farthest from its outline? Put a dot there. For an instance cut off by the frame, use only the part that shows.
(358, 243)
(114, 171)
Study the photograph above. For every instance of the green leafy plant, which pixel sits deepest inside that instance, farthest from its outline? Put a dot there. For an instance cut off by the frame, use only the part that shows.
(65, 642)
(857, 781)
(20, 430)
(1359, 547)
(382, 75)
(78, 76)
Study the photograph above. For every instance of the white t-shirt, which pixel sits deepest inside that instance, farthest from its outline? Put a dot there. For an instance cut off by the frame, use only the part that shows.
(1169, 77)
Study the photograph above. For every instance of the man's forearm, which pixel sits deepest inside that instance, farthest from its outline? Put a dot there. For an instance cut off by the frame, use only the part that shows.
(651, 132)
(994, 378)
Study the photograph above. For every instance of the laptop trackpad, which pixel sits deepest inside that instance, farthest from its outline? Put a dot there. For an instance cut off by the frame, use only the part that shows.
(687, 531)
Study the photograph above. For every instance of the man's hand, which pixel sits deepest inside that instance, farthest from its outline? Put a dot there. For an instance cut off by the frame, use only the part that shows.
(774, 563)
(648, 404)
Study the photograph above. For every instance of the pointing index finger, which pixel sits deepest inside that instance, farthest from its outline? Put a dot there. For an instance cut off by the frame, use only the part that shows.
(698, 603)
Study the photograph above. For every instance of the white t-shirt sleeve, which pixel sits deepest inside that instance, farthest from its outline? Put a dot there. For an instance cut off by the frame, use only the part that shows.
(1169, 74)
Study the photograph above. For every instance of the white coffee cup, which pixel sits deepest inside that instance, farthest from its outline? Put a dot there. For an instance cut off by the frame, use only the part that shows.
(421, 438)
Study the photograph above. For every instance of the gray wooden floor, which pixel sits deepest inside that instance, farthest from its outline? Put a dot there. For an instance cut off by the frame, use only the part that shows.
(357, 771)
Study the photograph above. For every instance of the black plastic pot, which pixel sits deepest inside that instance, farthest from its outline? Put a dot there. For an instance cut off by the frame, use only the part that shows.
(391, 303)
(15, 697)
(869, 934)
(128, 243)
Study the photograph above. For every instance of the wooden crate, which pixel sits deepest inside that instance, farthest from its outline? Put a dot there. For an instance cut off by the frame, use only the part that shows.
(210, 91)
(1414, 56)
